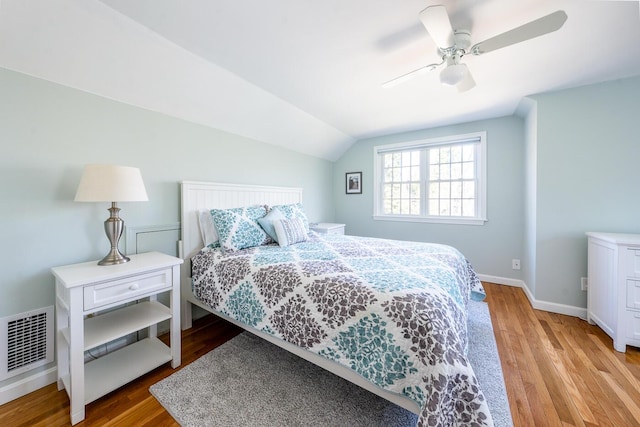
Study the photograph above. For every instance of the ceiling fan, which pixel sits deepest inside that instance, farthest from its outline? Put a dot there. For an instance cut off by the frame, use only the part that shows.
(454, 44)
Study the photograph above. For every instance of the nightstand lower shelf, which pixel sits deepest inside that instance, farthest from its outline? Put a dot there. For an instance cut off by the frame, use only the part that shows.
(115, 369)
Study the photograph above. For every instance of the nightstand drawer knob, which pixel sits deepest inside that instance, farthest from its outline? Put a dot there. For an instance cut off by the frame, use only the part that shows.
(134, 286)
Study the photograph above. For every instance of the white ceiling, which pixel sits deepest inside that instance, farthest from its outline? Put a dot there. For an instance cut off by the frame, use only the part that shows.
(306, 74)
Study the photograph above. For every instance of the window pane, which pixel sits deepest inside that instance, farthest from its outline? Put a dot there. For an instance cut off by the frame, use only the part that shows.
(397, 159)
(445, 190)
(456, 190)
(434, 172)
(456, 170)
(388, 175)
(415, 157)
(405, 207)
(456, 153)
(395, 192)
(467, 170)
(468, 189)
(386, 191)
(405, 190)
(444, 207)
(415, 207)
(468, 207)
(434, 156)
(386, 158)
(415, 191)
(406, 158)
(445, 154)
(395, 206)
(406, 173)
(434, 190)
(397, 174)
(434, 207)
(415, 173)
(456, 207)
(386, 206)
(468, 152)
(445, 171)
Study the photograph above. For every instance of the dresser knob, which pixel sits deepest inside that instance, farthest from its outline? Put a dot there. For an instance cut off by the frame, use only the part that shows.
(134, 286)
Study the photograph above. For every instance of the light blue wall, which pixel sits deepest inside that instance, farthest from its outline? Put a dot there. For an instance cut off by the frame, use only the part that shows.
(587, 179)
(489, 247)
(49, 132)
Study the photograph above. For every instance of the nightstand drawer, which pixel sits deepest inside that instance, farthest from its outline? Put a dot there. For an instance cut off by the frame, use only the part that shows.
(124, 289)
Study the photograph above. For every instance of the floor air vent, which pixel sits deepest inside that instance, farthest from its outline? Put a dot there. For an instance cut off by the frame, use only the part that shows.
(26, 341)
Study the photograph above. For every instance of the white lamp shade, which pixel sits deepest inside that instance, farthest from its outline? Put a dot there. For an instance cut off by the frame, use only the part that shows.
(109, 183)
(453, 74)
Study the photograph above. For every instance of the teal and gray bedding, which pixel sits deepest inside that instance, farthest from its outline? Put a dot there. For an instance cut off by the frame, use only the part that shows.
(394, 312)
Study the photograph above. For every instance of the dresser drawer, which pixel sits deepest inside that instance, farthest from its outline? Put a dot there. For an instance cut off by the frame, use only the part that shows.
(633, 294)
(633, 324)
(126, 289)
(633, 262)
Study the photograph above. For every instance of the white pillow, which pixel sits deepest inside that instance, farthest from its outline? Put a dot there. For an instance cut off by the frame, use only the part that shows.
(290, 231)
(207, 229)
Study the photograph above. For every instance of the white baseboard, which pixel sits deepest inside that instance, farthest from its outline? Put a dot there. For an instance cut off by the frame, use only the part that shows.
(27, 385)
(552, 307)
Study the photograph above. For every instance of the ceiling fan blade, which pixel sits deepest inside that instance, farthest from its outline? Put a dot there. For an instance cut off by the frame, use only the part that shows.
(467, 83)
(546, 24)
(436, 21)
(410, 75)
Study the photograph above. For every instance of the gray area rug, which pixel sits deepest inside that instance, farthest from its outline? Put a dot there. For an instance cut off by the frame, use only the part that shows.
(248, 381)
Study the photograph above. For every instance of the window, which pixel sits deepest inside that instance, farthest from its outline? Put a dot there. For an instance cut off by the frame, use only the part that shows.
(433, 180)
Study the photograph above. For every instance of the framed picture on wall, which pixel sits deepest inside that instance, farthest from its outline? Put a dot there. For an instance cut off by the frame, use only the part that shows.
(353, 183)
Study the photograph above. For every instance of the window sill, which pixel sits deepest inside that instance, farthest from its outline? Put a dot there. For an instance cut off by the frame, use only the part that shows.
(433, 220)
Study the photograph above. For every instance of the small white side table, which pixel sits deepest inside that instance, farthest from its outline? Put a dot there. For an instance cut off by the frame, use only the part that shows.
(327, 228)
(89, 289)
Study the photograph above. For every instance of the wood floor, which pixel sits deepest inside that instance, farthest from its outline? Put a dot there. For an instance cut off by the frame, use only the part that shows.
(559, 371)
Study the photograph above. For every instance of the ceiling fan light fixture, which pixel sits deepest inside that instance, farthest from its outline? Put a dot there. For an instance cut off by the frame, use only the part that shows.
(453, 74)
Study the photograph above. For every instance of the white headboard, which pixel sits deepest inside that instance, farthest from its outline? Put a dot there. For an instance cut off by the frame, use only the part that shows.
(196, 196)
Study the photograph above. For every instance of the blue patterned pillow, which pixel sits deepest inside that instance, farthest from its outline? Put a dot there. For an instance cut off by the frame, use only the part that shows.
(238, 228)
(294, 210)
(290, 231)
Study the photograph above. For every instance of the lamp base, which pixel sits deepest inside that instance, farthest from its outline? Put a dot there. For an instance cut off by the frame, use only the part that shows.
(113, 227)
(114, 257)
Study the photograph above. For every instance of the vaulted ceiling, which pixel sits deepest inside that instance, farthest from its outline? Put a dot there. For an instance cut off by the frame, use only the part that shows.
(307, 75)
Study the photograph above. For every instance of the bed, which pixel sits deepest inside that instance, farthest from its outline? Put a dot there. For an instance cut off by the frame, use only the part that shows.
(389, 316)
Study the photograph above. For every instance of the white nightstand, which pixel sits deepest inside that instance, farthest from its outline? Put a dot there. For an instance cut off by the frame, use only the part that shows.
(87, 288)
(327, 228)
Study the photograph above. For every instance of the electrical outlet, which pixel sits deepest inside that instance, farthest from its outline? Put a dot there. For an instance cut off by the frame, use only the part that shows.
(515, 264)
(584, 283)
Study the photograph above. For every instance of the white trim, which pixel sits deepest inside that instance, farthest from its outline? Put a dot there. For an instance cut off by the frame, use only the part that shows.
(568, 310)
(502, 280)
(27, 385)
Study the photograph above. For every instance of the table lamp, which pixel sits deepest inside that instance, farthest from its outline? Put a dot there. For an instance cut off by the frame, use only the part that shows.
(109, 183)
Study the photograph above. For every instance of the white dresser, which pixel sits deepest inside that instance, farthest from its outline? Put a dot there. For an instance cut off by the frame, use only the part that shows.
(327, 228)
(98, 304)
(613, 299)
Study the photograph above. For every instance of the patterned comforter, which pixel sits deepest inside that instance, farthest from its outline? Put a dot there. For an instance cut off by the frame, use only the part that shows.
(393, 311)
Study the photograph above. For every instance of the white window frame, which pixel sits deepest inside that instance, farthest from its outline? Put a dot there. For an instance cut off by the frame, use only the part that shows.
(480, 138)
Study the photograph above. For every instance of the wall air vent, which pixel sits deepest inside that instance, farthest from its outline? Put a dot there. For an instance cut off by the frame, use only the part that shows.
(26, 341)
